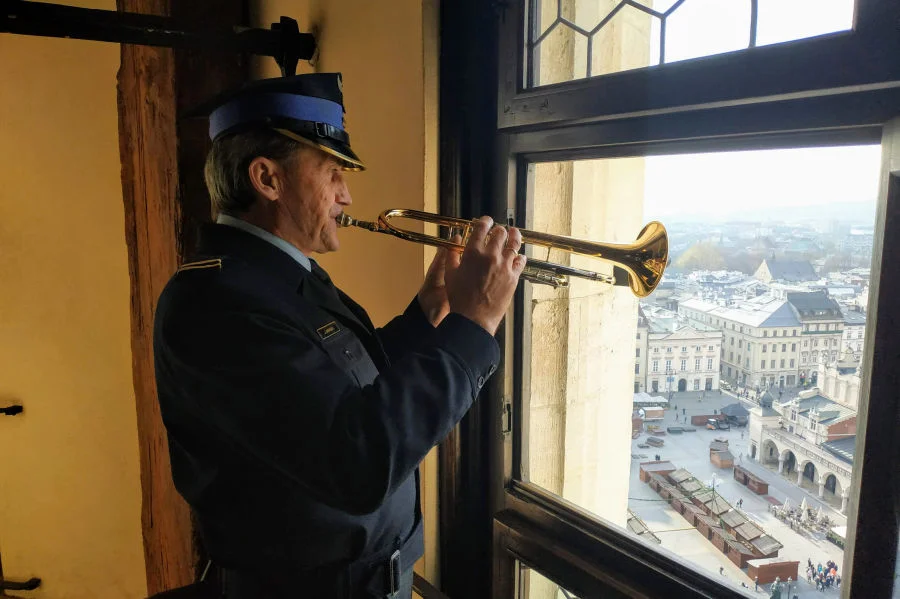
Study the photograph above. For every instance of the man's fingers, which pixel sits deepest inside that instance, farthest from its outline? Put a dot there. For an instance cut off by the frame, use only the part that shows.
(497, 240)
(519, 263)
(452, 258)
(480, 229)
(514, 240)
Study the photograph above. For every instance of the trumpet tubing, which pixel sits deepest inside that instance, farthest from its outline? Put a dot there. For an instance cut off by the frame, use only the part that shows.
(644, 260)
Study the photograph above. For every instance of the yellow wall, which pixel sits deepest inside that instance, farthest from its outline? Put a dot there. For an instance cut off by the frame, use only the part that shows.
(387, 52)
(69, 473)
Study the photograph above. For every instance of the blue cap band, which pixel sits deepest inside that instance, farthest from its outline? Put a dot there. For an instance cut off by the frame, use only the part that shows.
(249, 109)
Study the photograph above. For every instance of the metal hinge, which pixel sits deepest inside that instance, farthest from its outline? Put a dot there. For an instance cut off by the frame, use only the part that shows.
(506, 417)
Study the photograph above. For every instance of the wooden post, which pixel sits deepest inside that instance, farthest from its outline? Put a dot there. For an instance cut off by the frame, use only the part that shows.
(164, 195)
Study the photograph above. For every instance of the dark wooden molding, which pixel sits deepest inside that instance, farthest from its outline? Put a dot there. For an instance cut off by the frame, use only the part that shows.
(164, 197)
(467, 114)
(871, 553)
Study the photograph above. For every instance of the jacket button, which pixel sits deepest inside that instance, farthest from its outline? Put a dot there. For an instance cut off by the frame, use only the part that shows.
(480, 382)
(492, 370)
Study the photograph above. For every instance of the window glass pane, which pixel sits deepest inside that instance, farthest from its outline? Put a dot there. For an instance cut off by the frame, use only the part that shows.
(760, 242)
(574, 39)
(534, 585)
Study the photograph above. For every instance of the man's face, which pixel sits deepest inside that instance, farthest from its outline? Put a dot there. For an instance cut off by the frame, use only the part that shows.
(315, 193)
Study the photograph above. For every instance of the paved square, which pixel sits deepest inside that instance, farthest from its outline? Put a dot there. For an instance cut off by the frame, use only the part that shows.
(691, 451)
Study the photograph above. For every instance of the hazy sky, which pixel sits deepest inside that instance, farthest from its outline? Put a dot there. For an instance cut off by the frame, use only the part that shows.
(716, 185)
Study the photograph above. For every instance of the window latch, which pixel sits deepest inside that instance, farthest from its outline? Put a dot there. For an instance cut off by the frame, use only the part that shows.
(506, 418)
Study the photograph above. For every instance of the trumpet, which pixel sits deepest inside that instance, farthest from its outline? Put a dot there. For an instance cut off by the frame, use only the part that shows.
(642, 263)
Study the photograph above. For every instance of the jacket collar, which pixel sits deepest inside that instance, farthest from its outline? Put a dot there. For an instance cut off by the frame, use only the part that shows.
(274, 264)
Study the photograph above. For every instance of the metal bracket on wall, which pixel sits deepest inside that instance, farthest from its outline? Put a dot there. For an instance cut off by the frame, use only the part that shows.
(283, 41)
(29, 585)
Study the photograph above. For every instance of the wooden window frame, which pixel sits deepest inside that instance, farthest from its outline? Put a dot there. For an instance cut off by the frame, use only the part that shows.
(836, 89)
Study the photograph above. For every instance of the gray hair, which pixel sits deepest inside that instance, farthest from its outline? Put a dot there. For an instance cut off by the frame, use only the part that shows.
(228, 163)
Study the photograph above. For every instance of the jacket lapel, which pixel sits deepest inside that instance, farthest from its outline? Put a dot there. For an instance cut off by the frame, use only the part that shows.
(325, 296)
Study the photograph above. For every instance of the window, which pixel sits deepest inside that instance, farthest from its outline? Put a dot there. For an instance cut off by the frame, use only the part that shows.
(668, 350)
(771, 363)
(794, 333)
(565, 144)
(765, 348)
(709, 363)
(765, 333)
(693, 30)
(731, 356)
(793, 347)
(740, 343)
(637, 352)
(637, 368)
(741, 330)
(732, 340)
(792, 362)
(710, 348)
(655, 365)
(774, 333)
(683, 349)
(683, 365)
(655, 350)
(747, 363)
(637, 336)
(668, 365)
(784, 347)
(696, 384)
(782, 363)
(697, 364)
(774, 347)
(806, 343)
(762, 365)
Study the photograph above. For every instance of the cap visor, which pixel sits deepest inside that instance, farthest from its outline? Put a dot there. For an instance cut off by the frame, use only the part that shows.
(349, 160)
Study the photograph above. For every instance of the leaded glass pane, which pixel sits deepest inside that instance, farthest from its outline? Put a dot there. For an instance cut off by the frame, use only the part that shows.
(574, 39)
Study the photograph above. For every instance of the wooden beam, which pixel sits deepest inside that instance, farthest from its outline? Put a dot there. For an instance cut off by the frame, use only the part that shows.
(164, 197)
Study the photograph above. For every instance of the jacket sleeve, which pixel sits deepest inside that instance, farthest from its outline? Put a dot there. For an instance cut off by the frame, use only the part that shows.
(405, 332)
(272, 395)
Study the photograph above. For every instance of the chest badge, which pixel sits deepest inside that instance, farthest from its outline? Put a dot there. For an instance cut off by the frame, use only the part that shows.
(328, 330)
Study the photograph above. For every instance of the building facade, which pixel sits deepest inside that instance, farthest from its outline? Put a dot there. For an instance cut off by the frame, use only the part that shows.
(808, 440)
(640, 353)
(854, 333)
(684, 360)
(822, 331)
(760, 340)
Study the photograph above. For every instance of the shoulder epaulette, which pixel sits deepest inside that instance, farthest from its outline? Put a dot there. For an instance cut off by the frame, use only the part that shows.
(202, 264)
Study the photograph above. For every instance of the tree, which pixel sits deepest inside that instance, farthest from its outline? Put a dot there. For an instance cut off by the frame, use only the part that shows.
(701, 256)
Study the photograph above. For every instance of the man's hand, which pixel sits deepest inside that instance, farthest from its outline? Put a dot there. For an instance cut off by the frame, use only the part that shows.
(482, 286)
(433, 293)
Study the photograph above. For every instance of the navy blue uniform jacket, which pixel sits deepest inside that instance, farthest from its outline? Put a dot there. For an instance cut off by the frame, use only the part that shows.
(295, 427)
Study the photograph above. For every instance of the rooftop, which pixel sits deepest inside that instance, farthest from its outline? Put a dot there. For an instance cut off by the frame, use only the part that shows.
(828, 411)
(790, 270)
(843, 448)
(815, 305)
